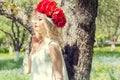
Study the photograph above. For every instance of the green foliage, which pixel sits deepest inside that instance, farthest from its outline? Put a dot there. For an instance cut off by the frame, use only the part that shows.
(4, 50)
(7, 62)
(106, 64)
(107, 19)
(28, 5)
(1, 40)
(106, 51)
(10, 70)
(15, 74)
(5, 24)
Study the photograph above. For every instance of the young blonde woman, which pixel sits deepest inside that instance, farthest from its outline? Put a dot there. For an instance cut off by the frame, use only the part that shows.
(45, 61)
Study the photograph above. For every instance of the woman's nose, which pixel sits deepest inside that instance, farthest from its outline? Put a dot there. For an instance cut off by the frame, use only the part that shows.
(35, 23)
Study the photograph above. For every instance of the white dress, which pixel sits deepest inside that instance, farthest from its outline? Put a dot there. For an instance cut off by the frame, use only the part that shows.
(41, 68)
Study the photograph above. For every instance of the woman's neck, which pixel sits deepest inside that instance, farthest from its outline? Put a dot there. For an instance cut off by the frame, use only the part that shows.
(46, 39)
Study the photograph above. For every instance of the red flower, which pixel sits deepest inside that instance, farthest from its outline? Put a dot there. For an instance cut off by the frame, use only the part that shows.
(58, 17)
(50, 7)
(41, 6)
(60, 22)
(57, 13)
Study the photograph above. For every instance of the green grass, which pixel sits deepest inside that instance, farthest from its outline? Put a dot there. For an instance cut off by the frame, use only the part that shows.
(105, 66)
(7, 62)
(14, 74)
(11, 70)
(105, 51)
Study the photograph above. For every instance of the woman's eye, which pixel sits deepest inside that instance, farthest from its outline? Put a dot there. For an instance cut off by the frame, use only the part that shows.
(40, 19)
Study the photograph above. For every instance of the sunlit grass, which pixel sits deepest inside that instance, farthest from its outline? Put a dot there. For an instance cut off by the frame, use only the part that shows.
(105, 51)
(11, 70)
(8, 56)
(7, 61)
(106, 64)
(14, 74)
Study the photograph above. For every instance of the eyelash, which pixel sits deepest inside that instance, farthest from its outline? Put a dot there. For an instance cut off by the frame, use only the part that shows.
(40, 19)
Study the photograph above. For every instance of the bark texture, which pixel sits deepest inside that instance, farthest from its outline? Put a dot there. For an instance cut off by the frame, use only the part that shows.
(79, 36)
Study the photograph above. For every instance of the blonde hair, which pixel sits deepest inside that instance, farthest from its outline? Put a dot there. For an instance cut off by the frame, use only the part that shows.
(52, 31)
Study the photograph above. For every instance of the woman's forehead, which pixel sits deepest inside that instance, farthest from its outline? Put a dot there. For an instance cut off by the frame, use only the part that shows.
(38, 15)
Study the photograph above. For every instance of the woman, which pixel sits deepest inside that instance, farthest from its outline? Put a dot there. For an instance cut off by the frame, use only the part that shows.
(45, 61)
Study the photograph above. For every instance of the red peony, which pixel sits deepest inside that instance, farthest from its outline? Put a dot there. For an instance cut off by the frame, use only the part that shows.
(58, 17)
(57, 13)
(41, 6)
(50, 7)
(60, 22)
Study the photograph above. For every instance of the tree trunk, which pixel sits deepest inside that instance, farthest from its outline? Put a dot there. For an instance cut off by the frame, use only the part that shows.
(10, 50)
(79, 36)
(112, 46)
(113, 41)
(16, 56)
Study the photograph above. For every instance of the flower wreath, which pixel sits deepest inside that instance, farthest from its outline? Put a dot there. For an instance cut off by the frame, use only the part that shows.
(50, 8)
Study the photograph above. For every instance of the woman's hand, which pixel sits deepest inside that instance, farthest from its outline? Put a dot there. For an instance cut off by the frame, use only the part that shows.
(27, 65)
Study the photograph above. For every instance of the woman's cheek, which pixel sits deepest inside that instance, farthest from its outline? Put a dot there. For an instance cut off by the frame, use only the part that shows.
(41, 26)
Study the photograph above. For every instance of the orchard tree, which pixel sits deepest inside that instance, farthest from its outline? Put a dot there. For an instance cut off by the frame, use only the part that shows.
(79, 36)
(17, 37)
(108, 19)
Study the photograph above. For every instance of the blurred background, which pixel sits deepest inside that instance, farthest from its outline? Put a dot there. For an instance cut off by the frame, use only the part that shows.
(106, 58)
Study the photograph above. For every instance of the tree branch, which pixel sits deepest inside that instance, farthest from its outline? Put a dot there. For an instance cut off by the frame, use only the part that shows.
(18, 33)
(7, 33)
(12, 28)
(12, 11)
(23, 37)
(18, 30)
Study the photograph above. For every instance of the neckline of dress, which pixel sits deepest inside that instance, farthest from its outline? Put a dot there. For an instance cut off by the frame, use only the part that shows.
(47, 41)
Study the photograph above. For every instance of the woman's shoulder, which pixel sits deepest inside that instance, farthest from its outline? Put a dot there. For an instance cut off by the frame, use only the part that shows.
(53, 44)
(54, 50)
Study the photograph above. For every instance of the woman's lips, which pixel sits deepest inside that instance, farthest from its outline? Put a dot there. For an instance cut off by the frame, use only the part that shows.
(35, 26)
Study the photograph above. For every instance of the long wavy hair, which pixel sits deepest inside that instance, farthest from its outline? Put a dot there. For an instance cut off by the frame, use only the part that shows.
(53, 32)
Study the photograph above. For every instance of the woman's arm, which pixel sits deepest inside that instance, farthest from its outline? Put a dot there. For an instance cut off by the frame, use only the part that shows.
(27, 61)
(56, 59)
(27, 64)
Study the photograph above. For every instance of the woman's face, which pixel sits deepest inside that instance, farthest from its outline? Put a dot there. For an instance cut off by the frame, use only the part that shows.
(39, 24)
